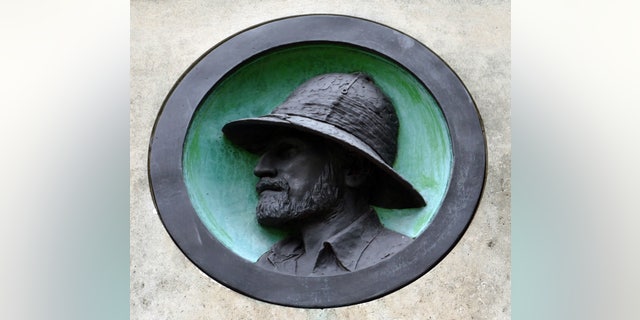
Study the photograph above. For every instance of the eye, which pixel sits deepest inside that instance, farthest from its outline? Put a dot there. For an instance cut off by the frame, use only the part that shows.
(287, 151)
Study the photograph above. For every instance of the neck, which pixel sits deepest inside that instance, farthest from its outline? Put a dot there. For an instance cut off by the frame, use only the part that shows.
(315, 233)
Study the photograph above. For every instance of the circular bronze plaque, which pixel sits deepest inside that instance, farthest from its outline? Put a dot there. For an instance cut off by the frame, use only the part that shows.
(203, 186)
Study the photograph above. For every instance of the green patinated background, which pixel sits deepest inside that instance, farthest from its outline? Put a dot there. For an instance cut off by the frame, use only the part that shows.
(219, 176)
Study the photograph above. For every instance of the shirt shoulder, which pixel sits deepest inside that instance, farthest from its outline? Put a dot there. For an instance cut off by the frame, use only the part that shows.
(386, 243)
(282, 255)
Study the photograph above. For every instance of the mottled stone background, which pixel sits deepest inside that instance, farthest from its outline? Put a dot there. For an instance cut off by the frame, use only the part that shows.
(473, 37)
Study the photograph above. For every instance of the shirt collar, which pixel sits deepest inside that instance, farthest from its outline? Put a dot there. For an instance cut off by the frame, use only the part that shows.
(349, 244)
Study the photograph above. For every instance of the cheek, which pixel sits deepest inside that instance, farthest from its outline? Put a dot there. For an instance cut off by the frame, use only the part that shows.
(299, 186)
(303, 177)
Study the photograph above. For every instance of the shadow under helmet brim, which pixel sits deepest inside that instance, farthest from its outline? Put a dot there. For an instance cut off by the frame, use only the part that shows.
(389, 190)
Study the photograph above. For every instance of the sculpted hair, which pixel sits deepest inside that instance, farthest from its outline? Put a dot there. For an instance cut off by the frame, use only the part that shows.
(346, 162)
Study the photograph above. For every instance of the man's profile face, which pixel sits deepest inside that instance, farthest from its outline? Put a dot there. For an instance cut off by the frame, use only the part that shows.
(297, 181)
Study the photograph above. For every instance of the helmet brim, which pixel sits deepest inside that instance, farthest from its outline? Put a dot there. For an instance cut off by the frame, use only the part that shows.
(389, 190)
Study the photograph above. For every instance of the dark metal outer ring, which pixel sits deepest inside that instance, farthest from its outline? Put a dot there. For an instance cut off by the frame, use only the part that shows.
(205, 251)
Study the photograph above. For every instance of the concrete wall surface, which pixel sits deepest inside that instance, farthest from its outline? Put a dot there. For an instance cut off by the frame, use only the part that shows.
(473, 37)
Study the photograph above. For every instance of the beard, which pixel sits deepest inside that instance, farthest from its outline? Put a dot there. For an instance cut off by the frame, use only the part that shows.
(277, 209)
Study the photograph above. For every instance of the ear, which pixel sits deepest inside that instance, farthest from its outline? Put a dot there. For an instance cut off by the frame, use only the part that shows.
(356, 174)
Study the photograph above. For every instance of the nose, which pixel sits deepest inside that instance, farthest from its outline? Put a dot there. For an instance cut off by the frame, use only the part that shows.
(265, 167)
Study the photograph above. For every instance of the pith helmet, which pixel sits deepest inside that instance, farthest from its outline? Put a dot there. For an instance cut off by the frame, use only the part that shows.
(348, 109)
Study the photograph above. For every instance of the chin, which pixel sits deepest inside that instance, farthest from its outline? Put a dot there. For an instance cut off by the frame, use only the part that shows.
(272, 221)
(277, 210)
(284, 219)
(273, 211)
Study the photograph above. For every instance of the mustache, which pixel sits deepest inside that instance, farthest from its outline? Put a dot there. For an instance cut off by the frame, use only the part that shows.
(271, 184)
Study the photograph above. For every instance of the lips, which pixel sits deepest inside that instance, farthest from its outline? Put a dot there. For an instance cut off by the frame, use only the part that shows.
(271, 185)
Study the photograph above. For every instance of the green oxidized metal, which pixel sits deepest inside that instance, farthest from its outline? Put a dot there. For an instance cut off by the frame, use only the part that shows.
(219, 177)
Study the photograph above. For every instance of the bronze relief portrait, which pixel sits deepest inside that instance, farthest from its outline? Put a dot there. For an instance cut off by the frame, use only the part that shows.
(306, 164)
(325, 159)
